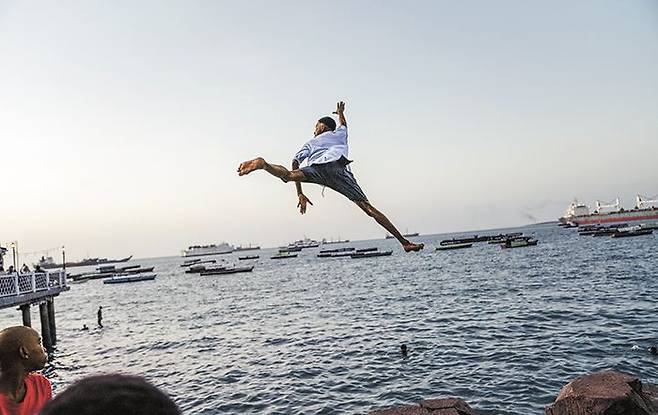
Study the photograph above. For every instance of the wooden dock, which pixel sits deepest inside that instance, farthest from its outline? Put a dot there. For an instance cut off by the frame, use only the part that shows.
(24, 290)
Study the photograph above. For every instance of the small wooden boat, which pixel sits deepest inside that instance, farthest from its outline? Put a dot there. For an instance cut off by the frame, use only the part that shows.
(336, 254)
(519, 242)
(197, 269)
(627, 234)
(138, 270)
(227, 271)
(199, 262)
(332, 251)
(282, 255)
(363, 250)
(120, 279)
(244, 258)
(453, 246)
(290, 249)
(133, 270)
(371, 254)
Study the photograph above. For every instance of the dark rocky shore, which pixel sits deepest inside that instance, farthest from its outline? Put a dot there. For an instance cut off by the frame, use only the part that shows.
(601, 393)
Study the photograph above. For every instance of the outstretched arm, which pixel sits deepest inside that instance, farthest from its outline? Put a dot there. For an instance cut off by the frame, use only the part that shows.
(340, 110)
(302, 199)
(298, 185)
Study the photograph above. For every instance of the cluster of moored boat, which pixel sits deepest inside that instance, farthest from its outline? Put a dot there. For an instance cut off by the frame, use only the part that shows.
(210, 267)
(112, 274)
(353, 253)
(505, 241)
(616, 231)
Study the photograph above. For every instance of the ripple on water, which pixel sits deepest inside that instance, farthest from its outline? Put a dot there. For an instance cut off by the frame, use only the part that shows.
(504, 329)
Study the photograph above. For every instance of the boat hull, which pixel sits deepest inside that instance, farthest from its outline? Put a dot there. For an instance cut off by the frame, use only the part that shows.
(454, 246)
(638, 215)
(371, 254)
(127, 279)
(86, 263)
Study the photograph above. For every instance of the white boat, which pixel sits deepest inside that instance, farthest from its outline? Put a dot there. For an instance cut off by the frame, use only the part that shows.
(212, 249)
(304, 243)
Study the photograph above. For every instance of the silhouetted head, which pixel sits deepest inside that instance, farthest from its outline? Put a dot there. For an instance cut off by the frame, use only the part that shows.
(21, 347)
(324, 124)
(403, 350)
(109, 395)
(653, 350)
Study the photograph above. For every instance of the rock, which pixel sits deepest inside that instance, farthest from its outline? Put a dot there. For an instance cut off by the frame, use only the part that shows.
(603, 393)
(444, 406)
(447, 406)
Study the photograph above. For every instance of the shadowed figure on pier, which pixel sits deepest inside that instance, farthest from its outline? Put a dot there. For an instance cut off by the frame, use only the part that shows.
(328, 165)
(21, 390)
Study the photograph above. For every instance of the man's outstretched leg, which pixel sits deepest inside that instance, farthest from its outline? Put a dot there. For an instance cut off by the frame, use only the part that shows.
(386, 224)
(273, 169)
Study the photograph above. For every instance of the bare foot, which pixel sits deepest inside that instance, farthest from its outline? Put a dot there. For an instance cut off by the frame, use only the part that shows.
(251, 165)
(408, 247)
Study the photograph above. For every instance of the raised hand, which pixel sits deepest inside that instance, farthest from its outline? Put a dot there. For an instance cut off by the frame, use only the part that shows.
(340, 108)
(303, 200)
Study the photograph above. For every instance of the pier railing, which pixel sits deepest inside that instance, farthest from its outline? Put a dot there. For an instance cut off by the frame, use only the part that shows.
(15, 284)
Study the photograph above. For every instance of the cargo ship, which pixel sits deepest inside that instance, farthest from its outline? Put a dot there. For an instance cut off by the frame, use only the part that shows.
(406, 235)
(303, 244)
(49, 262)
(331, 242)
(212, 249)
(579, 214)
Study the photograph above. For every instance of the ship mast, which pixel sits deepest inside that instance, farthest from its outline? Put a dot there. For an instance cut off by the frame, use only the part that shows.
(641, 202)
(614, 205)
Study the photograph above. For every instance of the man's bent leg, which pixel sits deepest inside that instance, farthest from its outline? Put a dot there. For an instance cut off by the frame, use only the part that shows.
(371, 211)
(273, 169)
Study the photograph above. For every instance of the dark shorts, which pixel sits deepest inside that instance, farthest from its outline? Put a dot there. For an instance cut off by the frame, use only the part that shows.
(336, 176)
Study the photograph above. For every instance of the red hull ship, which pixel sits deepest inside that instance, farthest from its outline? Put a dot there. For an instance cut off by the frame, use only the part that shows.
(579, 214)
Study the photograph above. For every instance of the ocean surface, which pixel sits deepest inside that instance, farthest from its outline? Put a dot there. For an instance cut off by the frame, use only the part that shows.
(502, 329)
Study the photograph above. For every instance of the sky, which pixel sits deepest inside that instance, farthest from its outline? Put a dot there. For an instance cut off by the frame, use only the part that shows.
(122, 123)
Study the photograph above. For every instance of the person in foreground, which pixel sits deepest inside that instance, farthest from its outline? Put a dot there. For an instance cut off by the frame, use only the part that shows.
(111, 395)
(327, 166)
(22, 392)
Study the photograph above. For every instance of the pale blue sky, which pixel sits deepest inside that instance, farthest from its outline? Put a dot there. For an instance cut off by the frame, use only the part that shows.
(122, 123)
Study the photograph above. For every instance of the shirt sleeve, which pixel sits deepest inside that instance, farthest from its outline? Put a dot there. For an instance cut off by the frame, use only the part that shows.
(303, 153)
(341, 132)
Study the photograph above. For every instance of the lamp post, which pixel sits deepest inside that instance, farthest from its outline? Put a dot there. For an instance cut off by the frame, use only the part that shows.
(14, 254)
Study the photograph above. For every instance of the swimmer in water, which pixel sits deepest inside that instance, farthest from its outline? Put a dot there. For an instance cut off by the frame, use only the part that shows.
(403, 350)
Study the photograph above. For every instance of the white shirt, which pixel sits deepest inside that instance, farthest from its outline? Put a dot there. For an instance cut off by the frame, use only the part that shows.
(325, 148)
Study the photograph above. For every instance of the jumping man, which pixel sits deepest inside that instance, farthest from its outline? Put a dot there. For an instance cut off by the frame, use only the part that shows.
(327, 166)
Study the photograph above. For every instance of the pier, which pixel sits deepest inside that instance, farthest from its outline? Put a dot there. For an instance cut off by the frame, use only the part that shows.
(35, 288)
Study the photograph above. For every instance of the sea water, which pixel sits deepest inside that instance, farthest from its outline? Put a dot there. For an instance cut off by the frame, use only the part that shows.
(503, 329)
